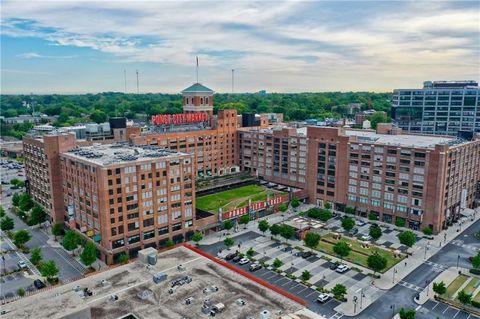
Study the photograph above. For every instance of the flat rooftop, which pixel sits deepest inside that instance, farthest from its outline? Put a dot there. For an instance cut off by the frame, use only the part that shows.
(404, 140)
(128, 281)
(120, 153)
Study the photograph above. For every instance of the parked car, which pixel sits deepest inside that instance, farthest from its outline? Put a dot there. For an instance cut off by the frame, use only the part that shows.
(236, 259)
(353, 231)
(22, 264)
(342, 268)
(366, 237)
(39, 284)
(333, 266)
(307, 254)
(361, 223)
(322, 298)
(243, 261)
(230, 256)
(254, 267)
(374, 225)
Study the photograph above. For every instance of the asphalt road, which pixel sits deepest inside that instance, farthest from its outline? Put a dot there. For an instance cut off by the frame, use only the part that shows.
(402, 296)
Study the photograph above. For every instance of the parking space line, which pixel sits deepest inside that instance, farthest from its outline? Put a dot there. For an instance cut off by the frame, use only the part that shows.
(311, 294)
(283, 278)
(302, 290)
(456, 313)
(446, 309)
(435, 305)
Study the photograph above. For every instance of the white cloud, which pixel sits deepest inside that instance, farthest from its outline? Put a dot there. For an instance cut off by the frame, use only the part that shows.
(417, 42)
(33, 55)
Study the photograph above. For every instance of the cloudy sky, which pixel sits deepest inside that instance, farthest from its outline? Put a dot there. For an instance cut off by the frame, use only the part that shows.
(73, 46)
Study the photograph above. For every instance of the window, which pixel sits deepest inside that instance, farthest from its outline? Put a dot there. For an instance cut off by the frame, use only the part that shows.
(402, 199)
(132, 226)
(176, 227)
(133, 239)
(163, 230)
(148, 222)
(388, 196)
(162, 219)
(188, 223)
(352, 189)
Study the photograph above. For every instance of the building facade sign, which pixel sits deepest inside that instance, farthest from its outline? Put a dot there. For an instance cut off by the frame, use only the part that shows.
(177, 119)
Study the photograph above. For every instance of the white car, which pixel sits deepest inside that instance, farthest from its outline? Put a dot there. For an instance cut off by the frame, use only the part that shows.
(22, 264)
(366, 237)
(322, 298)
(342, 268)
(243, 261)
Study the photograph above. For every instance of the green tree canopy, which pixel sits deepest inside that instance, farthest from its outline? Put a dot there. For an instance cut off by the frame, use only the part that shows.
(228, 242)
(71, 240)
(98, 116)
(375, 232)
(6, 224)
(287, 232)
(57, 230)
(312, 239)
(339, 291)
(36, 256)
(378, 117)
(277, 263)
(295, 203)
(400, 222)
(306, 275)
(476, 261)
(197, 237)
(275, 229)
(428, 231)
(89, 254)
(407, 238)
(349, 210)
(123, 258)
(348, 223)
(282, 207)
(38, 215)
(250, 252)
(342, 249)
(376, 262)
(244, 219)
(49, 269)
(407, 313)
(21, 237)
(439, 287)
(227, 224)
(263, 226)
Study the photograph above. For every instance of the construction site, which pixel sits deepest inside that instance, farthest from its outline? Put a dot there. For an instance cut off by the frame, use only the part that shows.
(177, 283)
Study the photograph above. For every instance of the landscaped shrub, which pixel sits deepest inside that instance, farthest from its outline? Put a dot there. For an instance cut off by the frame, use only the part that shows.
(476, 304)
(475, 271)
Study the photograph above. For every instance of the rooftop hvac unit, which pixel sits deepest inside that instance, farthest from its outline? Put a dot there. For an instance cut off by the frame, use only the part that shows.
(265, 314)
(152, 259)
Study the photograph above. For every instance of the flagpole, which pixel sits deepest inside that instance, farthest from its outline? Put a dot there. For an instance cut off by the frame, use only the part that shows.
(197, 69)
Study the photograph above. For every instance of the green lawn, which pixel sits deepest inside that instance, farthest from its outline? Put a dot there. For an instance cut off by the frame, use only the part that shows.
(455, 285)
(234, 198)
(477, 297)
(470, 287)
(357, 257)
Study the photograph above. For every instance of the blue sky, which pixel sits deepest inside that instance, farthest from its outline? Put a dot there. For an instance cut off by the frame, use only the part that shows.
(78, 47)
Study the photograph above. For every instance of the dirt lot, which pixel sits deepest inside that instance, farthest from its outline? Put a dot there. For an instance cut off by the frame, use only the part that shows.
(129, 280)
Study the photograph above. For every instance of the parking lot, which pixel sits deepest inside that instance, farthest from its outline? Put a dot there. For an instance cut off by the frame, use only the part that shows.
(267, 250)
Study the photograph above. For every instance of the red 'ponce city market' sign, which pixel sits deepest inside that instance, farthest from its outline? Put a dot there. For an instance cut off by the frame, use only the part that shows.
(179, 118)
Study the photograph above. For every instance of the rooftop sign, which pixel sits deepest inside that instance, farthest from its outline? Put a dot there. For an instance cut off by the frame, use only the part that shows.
(177, 119)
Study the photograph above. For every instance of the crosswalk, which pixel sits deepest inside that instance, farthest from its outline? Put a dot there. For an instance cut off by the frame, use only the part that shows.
(436, 267)
(460, 243)
(337, 315)
(410, 286)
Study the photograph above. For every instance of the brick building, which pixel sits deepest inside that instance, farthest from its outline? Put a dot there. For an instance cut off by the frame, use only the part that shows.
(127, 198)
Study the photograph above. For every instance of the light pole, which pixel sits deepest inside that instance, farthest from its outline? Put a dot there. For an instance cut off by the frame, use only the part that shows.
(428, 285)
(445, 237)
(354, 304)
(426, 248)
(458, 259)
(393, 310)
(361, 297)
(394, 272)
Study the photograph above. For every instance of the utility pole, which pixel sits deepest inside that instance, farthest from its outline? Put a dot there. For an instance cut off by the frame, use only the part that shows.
(138, 91)
(125, 80)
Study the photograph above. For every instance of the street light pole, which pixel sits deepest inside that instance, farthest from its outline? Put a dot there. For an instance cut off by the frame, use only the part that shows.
(458, 259)
(394, 272)
(361, 298)
(393, 310)
(428, 285)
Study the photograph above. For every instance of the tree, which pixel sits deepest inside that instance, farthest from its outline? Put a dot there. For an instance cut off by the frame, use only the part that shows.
(475, 260)
(377, 117)
(123, 258)
(348, 223)
(407, 313)
(287, 232)
(227, 224)
(339, 291)
(244, 220)
(228, 242)
(250, 252)
(372, 216)
(399, 222)
(277, 263)
(319, 213)
(26, 203)
(464, 298)
(6, 224)
(349, 210)
(71, 240)
(428, 231)
(275, 229)
(2, 212)
(263, 226)
(282, 207)
(376, 262)
(49, 270)
(21, 237)
(327, 205)
(295, 203)
(197, 237)
(36, 256)
(342, 249)
(98, 116)
(306, 275)
(89, 254)
(407, 238)
(311, 239)
(375, 232)
(21, 292)
(57, 230)
(16, 199)
(169, 243)
(325, 215)
(439, 287)
(38, 215)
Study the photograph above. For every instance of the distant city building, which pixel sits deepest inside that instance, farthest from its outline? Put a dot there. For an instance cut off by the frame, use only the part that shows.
(354, 108)
(441, 107)
(362, 116)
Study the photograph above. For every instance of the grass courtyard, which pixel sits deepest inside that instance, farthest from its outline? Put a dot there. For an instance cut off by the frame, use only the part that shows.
(463, 282)
(358, 254)
(234, 198)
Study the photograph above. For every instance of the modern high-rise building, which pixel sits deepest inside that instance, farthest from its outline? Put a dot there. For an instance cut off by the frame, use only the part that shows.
(441, 107)
(127, 198)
